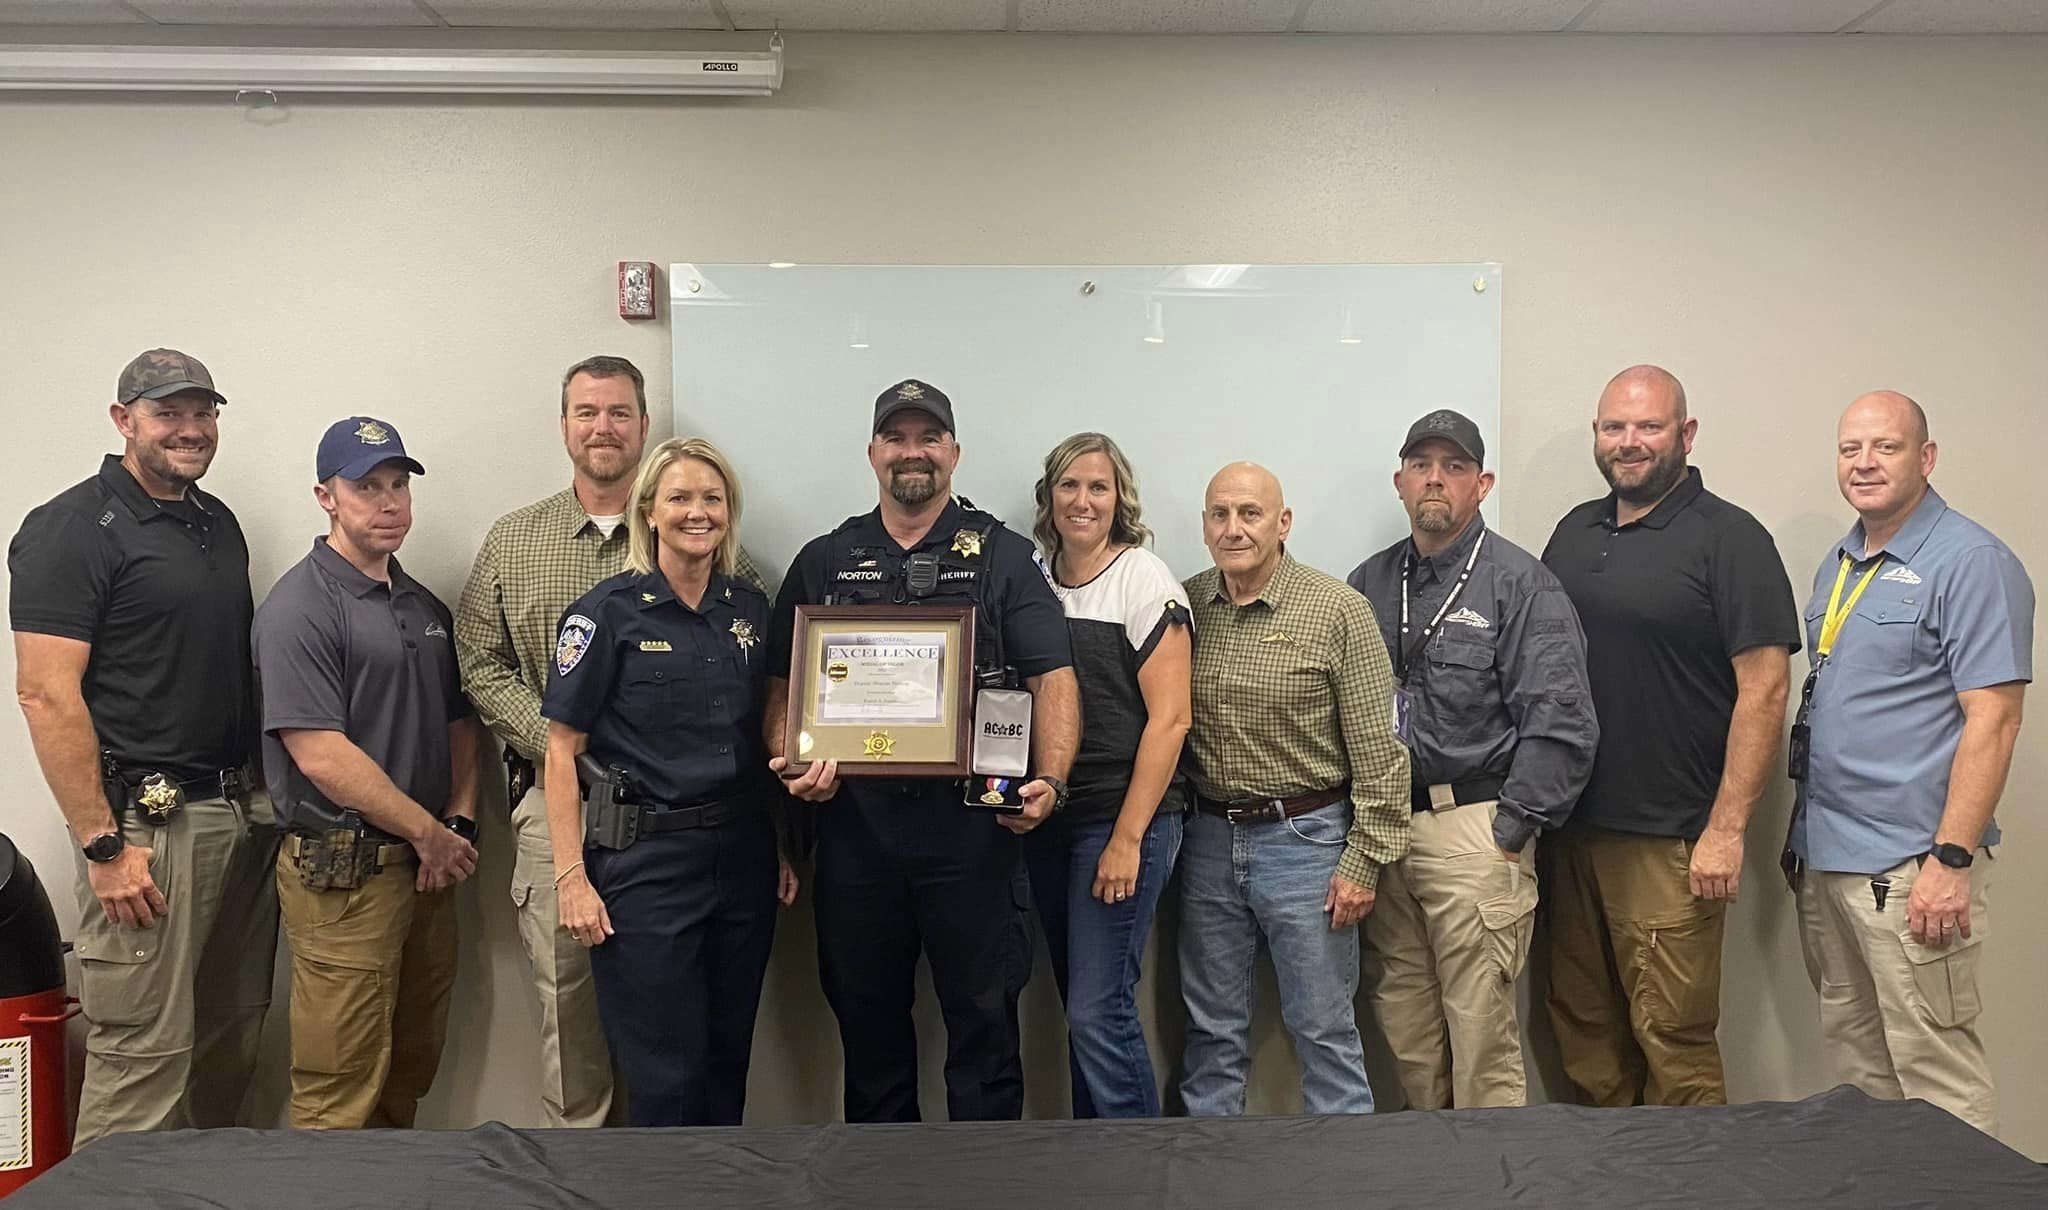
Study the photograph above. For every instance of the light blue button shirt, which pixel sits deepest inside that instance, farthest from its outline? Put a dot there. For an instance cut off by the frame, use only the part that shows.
(1950, 610)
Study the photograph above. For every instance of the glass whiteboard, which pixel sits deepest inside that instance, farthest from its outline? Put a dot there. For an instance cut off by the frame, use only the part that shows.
(1316, 371)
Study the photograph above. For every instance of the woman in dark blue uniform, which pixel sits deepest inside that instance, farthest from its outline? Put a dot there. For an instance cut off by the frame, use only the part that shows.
(659, 674)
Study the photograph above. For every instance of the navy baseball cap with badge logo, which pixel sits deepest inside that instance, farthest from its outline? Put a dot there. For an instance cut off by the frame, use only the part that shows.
(356, 446)
(913, 395)
(1446, 425)
(160, 372)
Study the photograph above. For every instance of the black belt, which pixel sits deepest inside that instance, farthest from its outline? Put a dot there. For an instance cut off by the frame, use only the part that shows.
(1478, 789)
(1270, 810)
(676, 819)
(230, 784)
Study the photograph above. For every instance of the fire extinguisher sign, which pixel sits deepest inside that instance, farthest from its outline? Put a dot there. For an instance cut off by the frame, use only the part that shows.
(15, 1149)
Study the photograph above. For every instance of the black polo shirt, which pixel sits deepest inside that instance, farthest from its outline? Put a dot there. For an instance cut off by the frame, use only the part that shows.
(339, 651)
(161, 592)
(1667, 601)
(672, 694)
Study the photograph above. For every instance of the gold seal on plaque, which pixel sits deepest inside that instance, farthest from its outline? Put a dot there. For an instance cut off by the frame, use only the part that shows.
(837, 670)
(967, 543)
(878, 744)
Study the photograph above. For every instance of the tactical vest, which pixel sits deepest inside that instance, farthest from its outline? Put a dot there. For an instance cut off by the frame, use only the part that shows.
(859, 573)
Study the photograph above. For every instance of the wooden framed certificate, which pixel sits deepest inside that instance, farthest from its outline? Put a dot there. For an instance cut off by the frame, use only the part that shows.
(885, 690)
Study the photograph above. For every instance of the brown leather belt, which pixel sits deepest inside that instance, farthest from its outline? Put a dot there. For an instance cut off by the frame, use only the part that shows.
(1271, 810)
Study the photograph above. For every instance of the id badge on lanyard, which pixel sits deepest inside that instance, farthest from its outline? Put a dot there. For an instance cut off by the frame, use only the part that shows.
(1404, 728)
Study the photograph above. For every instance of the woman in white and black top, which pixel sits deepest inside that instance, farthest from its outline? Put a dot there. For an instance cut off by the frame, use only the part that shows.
(1099, 866)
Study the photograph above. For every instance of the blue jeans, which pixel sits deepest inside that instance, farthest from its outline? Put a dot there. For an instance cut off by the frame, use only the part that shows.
(1244, 882)
(1096, 951)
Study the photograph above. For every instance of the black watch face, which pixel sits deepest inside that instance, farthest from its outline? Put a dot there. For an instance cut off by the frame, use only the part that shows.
(103, 848)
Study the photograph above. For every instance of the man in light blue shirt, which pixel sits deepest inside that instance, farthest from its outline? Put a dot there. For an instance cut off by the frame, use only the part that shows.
(1921, 624)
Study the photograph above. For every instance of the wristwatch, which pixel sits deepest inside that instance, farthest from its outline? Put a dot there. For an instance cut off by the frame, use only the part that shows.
(463, 826)
(1059, 790)
(104, 847)
(1954, 856)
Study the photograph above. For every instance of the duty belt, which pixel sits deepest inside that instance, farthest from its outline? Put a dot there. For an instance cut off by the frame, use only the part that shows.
(1477, 789)
(676, 819)
(388, 853)
(1270, 810)
(230, 784)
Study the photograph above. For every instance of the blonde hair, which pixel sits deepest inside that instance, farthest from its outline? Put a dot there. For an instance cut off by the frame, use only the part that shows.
(640, 544)
(1125, 529)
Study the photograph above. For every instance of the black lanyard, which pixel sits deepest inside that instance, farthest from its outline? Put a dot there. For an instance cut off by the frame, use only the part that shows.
(1450, 599)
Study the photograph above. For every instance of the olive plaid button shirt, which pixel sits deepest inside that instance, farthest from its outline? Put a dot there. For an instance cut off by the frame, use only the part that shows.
(1293, 694)
(535, 563)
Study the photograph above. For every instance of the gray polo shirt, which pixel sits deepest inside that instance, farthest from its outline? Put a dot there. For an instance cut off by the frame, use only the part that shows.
(1950, 610)
(1500, 690)
(338, 651)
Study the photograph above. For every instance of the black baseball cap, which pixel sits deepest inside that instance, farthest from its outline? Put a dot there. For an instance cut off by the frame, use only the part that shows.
(1450, 426)
(913, 395)
(358, 445)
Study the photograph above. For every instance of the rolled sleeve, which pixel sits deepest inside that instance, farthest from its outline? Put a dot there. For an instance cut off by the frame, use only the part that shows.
(1364, 683)
(1987, 620)
(1546, 690)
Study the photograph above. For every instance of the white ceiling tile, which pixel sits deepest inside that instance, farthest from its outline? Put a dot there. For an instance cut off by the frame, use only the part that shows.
(1723, 16)
(308, 13)
(64, 12)
(1439, 16)
(900, 16)
(1959, 17)
(581, 14)
(1156, 16)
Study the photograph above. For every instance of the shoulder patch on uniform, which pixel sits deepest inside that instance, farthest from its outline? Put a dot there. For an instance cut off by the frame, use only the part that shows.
(577, 632)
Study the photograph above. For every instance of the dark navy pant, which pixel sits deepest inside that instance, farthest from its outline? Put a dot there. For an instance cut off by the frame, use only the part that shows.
(907, 870)
(679, 980)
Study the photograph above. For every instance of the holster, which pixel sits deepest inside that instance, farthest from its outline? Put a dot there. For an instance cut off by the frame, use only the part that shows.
(337, 859)
(609, 821)
(518, 776)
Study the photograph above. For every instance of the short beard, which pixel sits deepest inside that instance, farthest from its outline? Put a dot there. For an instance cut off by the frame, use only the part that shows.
(1665, 472)
(1434, 522)
(156, 460)
(911, 494)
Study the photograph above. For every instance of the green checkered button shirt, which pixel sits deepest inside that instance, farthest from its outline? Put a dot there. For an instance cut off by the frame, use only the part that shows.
(535, 563)
(1293, 694)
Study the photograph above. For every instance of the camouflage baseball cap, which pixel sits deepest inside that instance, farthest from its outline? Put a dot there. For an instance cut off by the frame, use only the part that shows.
(161, 372)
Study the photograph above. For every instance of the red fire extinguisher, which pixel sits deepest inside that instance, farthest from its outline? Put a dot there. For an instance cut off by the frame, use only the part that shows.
(34, 1125)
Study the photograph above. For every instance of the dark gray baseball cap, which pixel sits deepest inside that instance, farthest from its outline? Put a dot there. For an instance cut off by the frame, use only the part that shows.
(913, 394)
(1450, 426)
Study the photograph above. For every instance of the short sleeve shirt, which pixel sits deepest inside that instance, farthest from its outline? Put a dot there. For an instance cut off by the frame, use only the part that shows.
(160, 589)
(1949, 610)
(340, 651)
(1116, 621)
(671, 694)
(1667, 602)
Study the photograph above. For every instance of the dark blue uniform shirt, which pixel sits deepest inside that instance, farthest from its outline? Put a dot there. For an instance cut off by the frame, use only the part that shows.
(671, 694)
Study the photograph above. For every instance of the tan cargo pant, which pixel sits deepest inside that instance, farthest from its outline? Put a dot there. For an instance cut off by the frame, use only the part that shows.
(1635, 969)
(575, 1065)
(1899, 1017)
(373, 969)
(174, 1012)
(1446, 941)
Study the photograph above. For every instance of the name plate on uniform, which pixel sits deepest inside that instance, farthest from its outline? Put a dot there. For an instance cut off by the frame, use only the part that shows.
(885, 690)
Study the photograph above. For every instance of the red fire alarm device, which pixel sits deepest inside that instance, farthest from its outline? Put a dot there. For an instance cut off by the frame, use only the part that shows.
(636, 289)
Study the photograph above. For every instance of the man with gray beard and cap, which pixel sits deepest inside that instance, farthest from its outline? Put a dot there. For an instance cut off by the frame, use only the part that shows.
(1689, 628)
(1492, 701)
(1301, 801)
(130, 604)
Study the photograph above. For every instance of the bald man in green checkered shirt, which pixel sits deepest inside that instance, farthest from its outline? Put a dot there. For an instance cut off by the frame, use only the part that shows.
(1301, 798)
(535, 562)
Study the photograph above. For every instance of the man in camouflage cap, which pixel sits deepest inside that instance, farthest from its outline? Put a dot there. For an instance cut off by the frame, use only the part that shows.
(131, 608)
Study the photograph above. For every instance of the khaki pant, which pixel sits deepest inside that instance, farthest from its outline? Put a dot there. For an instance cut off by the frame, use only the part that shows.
(1635, 969)
(1446, 941)
(1899, 1017)
(373, 969)
(174, 1012)
(575, 1066)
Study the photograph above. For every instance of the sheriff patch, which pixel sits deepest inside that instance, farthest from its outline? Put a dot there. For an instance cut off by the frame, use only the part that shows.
(577, 632)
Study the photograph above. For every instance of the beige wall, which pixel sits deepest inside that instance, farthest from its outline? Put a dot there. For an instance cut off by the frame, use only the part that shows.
(1784, 223)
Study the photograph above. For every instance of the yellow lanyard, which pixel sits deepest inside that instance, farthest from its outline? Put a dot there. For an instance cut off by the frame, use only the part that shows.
(1838, 609)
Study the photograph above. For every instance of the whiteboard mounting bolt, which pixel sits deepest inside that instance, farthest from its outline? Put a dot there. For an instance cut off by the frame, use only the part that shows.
(1479, 285)
(695, 285)
(1087, 288)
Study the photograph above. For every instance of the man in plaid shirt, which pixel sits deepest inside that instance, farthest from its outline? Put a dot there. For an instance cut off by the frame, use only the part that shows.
(535, 562)
(1301, 799)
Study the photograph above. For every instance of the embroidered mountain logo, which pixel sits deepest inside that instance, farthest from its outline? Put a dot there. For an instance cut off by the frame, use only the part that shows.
(1470, 617)
(1900, 575)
